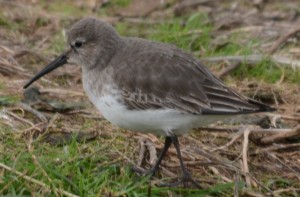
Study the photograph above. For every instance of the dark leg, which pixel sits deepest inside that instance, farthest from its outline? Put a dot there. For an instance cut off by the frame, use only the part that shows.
(186, 177)
(168, 142)
(152, 171)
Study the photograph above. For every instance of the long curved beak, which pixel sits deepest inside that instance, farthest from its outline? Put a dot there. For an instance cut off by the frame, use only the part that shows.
(59, 61)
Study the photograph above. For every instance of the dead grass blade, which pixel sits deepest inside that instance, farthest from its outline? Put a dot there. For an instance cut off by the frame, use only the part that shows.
(245, 157)
(283, 39)
(33, 111)
(284, 134)
(254, 59)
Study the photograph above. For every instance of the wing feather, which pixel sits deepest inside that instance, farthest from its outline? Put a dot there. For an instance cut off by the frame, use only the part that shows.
(163, 76)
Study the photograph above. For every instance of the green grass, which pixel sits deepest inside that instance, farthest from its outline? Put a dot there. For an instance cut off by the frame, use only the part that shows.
(58, 43)
(84, 169)
(232, 47)
(191, 34)
(4, 23)
(96, 168)
(120, 3)
(8, 100)
(14, 25)
(2, 86)
(268, 72)
(65, 8)
(93, 168)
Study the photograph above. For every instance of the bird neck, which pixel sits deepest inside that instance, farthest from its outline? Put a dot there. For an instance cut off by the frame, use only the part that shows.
(106, 52)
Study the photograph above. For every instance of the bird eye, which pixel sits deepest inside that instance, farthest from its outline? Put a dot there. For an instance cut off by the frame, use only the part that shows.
(78, 44)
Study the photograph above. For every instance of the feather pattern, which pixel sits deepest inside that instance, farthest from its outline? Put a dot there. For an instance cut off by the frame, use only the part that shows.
(163, 76)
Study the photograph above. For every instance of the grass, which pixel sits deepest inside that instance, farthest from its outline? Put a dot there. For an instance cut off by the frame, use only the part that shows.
(120, 3)
(64, 8)
(8, 100)
(191, 33)
(58, 43)
(7, 23)
(74, 167)
(99, 167)
(268, 71)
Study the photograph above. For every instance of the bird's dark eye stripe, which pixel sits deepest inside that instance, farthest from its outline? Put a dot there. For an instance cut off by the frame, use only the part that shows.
(78, 44)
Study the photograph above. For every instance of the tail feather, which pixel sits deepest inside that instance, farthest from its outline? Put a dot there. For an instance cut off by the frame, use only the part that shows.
(262, 107)
(256, 107)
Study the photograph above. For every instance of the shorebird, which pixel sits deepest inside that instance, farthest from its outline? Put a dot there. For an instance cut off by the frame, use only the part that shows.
(148, 86)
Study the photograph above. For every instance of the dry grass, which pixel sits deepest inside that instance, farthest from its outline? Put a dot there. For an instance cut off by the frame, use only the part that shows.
(54, 142)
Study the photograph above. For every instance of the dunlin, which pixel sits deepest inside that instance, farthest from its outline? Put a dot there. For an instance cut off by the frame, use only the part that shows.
(148, 86)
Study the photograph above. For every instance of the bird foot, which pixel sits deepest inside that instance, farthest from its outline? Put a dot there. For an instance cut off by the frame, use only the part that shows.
(185, 180)
(143, 172)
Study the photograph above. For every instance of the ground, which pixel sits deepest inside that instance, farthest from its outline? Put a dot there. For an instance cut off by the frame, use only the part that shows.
(53, 142)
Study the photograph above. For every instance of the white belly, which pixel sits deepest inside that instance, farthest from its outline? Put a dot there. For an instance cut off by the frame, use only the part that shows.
(158, 121)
